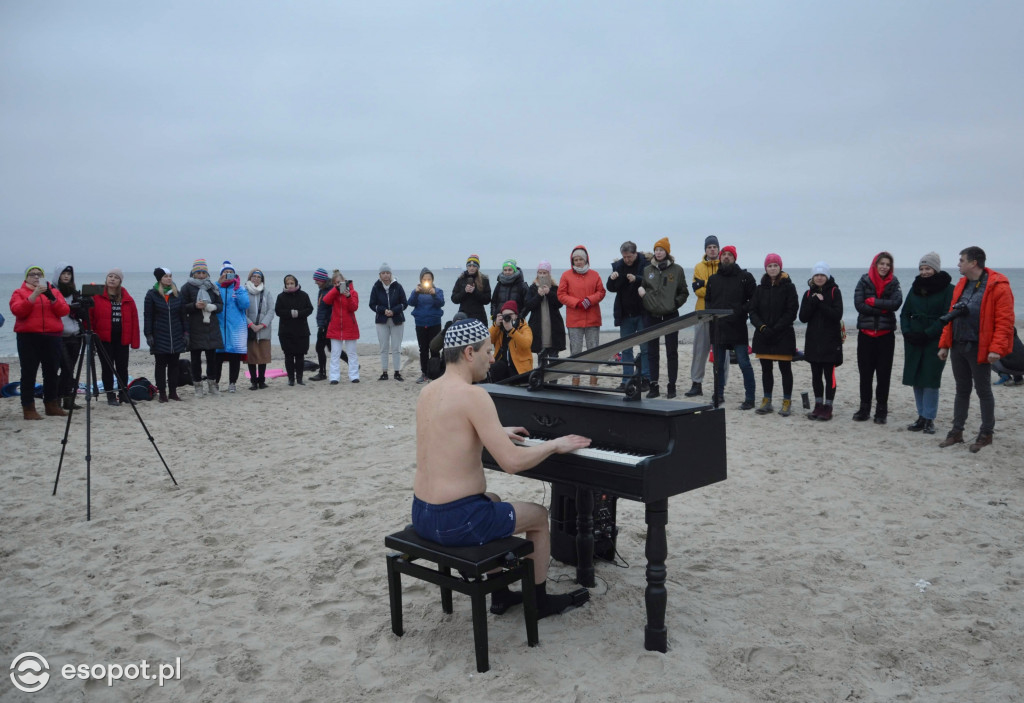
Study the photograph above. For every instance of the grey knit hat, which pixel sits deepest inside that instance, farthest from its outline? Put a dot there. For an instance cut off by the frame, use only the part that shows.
(385, 267)
(931, 259)
(709, 240)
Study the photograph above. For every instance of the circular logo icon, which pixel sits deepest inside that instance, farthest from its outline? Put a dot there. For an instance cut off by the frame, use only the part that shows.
(30, 672)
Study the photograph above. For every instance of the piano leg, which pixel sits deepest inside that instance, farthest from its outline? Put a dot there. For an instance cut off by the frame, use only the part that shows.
(585, 538)
(655, 596)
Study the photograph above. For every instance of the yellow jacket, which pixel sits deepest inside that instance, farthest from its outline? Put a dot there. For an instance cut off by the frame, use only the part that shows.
(519, 343)
(703, 270)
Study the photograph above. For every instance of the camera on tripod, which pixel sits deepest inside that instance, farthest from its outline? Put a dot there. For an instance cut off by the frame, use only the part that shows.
(958, 310)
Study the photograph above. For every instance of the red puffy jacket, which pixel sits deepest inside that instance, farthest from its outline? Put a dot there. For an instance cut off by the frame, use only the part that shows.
(101, 318)
(39, 316)
(343, 318)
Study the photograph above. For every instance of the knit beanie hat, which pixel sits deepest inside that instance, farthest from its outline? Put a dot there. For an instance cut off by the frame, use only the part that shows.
(773, 259)
(510, 305)
(473, 259)
(321, 275)
(663, 243)
(384, 268)
(464, 333)
(30, 269)
(199, 265)
(226, 266)
(586, 254)
(544, 265)
(709, 240)
(159, 272)
(425, 271)
(822, 268)
(509, 262)
(931, 259)
(117, 272)
(730, 249)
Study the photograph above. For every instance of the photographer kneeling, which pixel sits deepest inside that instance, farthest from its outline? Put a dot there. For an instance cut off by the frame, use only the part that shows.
(512, 339)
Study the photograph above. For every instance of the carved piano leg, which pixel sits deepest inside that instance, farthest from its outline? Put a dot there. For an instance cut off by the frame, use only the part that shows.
(656, 597)
(585, 537)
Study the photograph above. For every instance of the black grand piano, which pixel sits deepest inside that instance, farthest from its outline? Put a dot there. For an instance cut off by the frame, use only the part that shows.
(642, 450)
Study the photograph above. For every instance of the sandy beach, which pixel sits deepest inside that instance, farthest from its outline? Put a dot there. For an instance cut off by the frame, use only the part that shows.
(840, 561)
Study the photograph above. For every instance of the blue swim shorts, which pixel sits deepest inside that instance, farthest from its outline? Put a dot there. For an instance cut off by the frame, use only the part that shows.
(466, 522)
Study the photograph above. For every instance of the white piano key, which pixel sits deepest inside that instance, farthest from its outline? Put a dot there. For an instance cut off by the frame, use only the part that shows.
(606, 455)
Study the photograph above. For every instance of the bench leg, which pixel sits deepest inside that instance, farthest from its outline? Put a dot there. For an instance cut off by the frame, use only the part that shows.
(480, 630)
(395, 594)
(446, 593)
(530, 604)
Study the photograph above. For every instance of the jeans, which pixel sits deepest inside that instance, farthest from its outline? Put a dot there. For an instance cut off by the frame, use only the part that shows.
(743, 358)
(389, 336)
(671, 349)
(927, 400)
(630, 326)
(968, 372)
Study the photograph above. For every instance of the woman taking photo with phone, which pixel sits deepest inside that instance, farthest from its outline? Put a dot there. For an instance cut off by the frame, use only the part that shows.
(38, 310)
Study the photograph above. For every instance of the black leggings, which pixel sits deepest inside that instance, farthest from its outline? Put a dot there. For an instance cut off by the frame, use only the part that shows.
(822, 377)
(69, 350)
(167, 371)
(321, 349)
(35, 350)
(197, 364)
(257, 372)
(423, 337)
(118, 355)
(874, 358)
(294, 364)
(768, 378)
(234, 366)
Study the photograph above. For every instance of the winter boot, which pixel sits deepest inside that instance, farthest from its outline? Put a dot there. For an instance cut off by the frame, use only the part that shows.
(787, 408)
(199, 389)
(52, 407)
(816, 413)
(593, 380)
(671, 391)
(654, 392)
(70, 404)
(826, 413)
(212, 387)
(929, 427)
(576, 381)
(173, 393)
(163, 396)
(112, 399)
(954, 437)
(863, 413)
(766, 407)
(298, 379)
(29, 412)
(231, 388)
(917, 425)
(695, 389)
(881, 413)
(983, 440)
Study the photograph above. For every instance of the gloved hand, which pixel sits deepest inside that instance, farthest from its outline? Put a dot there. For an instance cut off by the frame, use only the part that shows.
(585, 303)
(698, 283)
(870, 301)
(150, 340)
(766, 332)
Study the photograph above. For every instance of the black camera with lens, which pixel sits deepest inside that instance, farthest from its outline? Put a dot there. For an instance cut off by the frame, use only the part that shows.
(958, 310)
(507, 317)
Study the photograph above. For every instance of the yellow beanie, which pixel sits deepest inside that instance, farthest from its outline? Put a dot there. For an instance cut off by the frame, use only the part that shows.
(663, 243)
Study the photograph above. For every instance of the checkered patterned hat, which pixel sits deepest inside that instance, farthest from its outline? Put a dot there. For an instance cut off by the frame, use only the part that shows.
(464, 333)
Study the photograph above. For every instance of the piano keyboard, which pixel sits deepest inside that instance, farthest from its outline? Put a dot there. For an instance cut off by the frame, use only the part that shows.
(608, 455)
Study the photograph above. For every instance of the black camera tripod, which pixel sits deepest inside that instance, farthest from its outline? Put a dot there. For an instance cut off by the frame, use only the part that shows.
(86, 357)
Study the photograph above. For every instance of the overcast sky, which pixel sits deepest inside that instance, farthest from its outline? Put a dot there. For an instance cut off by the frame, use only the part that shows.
(291, 135)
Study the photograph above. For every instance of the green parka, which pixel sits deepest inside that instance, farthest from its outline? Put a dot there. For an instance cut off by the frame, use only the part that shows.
(928, 299)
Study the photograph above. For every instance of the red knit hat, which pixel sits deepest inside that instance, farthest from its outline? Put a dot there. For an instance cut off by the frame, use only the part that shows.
(773, 259)
(510, 305)
(731, 249)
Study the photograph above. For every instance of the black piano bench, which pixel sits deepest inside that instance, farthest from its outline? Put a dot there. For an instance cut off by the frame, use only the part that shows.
(472, 564)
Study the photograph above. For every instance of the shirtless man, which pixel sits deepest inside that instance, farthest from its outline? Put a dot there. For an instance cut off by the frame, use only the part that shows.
(455, 420)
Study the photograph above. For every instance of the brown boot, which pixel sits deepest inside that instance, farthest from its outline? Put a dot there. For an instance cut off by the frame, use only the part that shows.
(954, 437)
(29, 412)
(173, 394)
(576, 380)
(593, 380)
(53, 408)
(983, 440)
(163, 396)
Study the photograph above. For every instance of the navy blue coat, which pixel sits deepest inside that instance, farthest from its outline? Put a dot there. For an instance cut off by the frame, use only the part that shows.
(164, 322)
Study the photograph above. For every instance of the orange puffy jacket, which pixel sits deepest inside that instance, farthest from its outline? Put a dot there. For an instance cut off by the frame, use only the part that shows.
(995, 331)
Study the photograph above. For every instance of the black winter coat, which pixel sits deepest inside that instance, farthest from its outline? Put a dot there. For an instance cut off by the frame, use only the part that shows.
(774, 307)
(628, 302)
(472, 303)
(823, 341)
(393, 298)
(204, 335)
(534, 301)
(293, 332)
(503, 292)
(730, 289)
(164, 321)
(881, 316)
